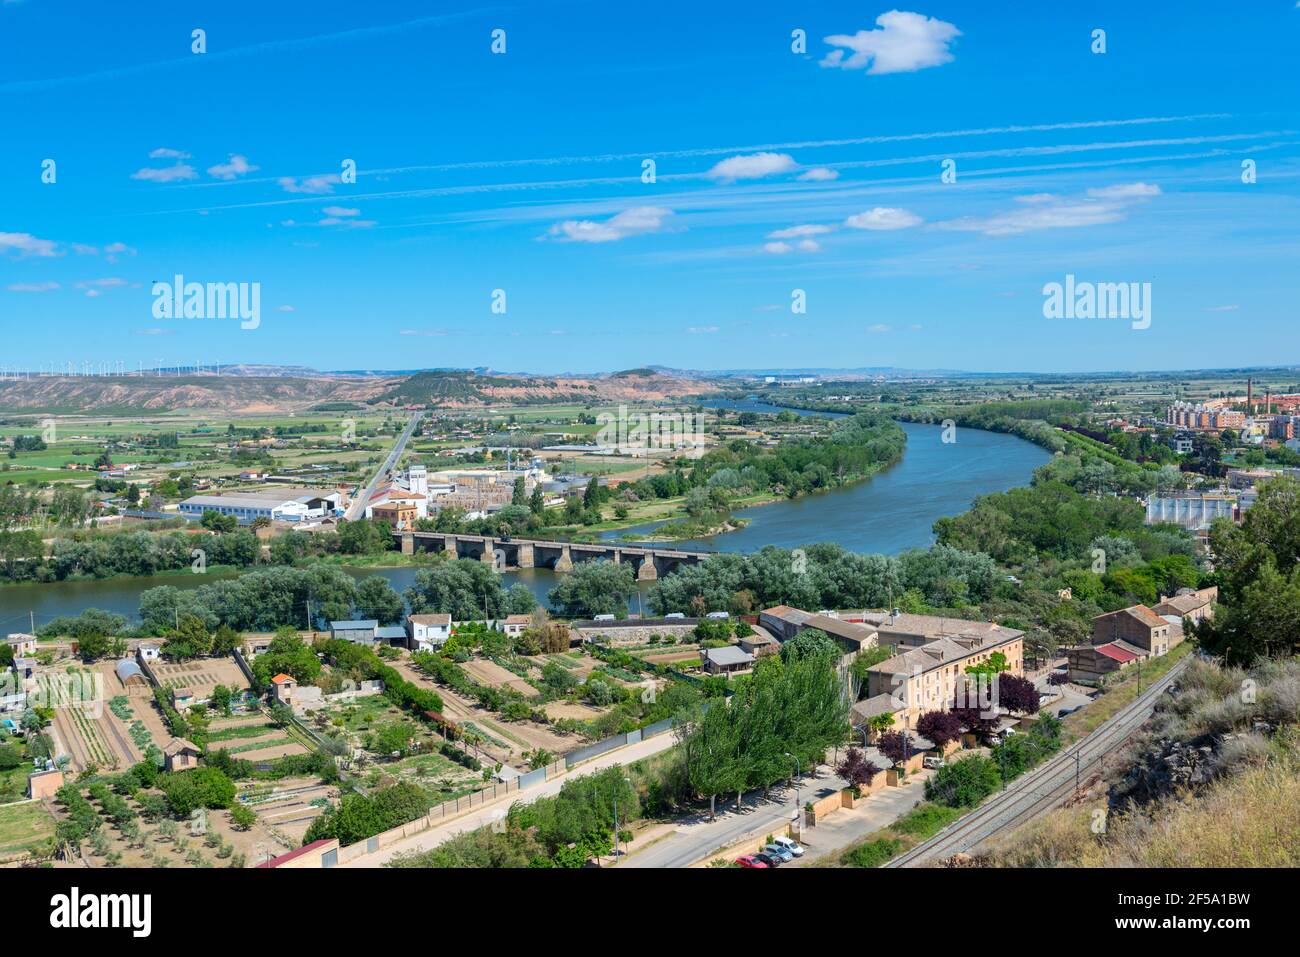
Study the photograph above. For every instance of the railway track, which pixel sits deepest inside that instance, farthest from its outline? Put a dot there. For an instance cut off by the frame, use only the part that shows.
(1044, 788)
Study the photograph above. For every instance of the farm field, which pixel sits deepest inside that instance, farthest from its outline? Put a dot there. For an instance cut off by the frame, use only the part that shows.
(504, 741)
(24, 827)
(494, 676)
(201, 676)
(168, 843)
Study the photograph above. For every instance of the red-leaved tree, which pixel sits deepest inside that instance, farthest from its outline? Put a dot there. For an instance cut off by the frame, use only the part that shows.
(896, 745)
(856, 769)
(1017, 694)
(939, 726)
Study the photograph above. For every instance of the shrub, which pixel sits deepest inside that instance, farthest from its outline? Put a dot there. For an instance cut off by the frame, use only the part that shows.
(873, 853)
(963, 783)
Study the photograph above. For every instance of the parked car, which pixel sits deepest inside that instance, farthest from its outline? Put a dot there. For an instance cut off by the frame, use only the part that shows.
(771, 860)
(749, 860)
(791, 845)
(933, 763)
(776, 850)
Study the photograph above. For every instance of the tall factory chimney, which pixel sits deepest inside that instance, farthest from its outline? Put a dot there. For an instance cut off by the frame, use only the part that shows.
(1250, 396)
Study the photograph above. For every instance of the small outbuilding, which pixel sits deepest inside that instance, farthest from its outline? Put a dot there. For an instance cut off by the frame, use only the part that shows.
(181, 755)
(728, 659)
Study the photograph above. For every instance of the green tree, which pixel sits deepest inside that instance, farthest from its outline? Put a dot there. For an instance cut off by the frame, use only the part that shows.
(594, 588)
(376, 599)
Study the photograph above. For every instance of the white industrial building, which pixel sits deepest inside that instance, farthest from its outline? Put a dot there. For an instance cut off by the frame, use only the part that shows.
(292, 505)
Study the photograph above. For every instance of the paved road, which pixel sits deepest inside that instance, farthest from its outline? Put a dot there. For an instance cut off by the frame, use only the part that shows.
(699, 837)
(427, 840)
(358, 507)
(1044, 788)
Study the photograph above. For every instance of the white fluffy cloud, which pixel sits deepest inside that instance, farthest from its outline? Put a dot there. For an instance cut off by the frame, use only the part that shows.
(635, 221)
(168, 174)
(799, 232)
(752, 166)
(164, 153)
(1125, 191)
(818, 174)
(315, 185)
(882, 218)
(901, 43)
(25, 244)
(1096, 207)
(233, 168)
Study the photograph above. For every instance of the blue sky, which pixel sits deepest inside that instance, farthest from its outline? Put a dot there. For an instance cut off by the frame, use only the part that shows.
(775, 171)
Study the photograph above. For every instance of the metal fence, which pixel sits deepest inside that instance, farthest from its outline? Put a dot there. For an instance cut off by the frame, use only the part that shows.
(617, 741)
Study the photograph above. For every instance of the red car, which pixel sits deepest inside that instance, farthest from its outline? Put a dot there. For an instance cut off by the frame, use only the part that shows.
(749, 860)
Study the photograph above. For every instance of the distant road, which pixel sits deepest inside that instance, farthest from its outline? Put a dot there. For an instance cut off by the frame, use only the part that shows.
(358, 507)
(698, 837)
(1046, 787)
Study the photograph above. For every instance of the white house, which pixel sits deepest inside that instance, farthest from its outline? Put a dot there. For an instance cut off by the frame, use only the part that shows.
(22, 644)
(427, 632)
(516, 625)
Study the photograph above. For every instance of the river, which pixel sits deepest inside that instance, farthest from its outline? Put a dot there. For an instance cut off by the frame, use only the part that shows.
(892, 511)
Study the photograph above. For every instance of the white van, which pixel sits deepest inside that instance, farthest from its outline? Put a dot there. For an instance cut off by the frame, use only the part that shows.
(790, 845)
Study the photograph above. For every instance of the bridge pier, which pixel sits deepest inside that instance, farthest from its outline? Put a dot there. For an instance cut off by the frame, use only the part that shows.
(565, 562)
(449, 546)
(646, 571)
(488, 555)
(524, 556)
(408, 543)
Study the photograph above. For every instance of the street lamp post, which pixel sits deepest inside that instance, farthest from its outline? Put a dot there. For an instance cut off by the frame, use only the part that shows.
(796, 789)
(616, 784)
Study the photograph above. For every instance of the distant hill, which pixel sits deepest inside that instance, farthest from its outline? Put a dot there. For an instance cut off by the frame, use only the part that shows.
(468, 389)
(224, 393)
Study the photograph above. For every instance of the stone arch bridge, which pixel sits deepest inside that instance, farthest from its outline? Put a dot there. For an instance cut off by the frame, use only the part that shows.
(512, 553)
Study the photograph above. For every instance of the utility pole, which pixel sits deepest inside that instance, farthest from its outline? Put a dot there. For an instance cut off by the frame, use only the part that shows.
(1077, 758)
(795, 819)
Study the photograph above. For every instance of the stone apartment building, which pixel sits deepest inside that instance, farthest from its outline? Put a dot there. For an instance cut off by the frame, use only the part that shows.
(925, 676)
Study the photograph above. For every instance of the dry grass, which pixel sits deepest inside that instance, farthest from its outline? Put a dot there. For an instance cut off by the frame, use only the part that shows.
(1248, 817)
(1250, 820)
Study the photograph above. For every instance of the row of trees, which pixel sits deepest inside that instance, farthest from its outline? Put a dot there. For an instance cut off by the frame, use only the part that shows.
(266, 598)
(791, 709)
(824, 576)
